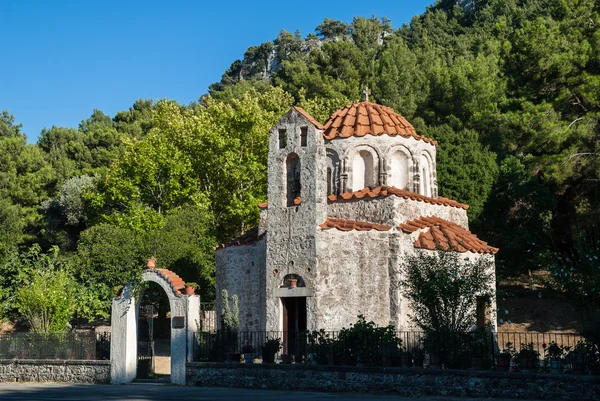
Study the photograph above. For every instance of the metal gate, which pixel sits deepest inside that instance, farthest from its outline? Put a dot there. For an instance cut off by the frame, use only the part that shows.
(208, 318)
(145, 343)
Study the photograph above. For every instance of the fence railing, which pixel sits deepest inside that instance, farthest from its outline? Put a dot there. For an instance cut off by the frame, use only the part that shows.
(62, 346)
(478, 350)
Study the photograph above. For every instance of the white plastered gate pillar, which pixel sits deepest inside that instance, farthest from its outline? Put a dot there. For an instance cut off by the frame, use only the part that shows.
(185, 313)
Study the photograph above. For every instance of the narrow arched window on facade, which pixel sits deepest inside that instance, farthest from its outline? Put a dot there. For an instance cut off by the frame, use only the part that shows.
(329, 182)
(362, 170)
(425, 179)
(399, 170)
(293, 184)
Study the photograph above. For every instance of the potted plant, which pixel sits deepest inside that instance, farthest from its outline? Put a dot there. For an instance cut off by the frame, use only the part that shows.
(504, 357)
(248, 351)
(528, 358)
(272, 346)
(190, 288)
(319, 346)
(578, 357)
(554, 355)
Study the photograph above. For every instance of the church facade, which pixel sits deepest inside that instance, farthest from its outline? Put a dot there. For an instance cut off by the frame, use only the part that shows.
(347, 201)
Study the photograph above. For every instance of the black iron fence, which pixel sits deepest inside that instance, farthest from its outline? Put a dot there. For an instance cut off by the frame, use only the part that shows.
(479, 350)
(63, 346)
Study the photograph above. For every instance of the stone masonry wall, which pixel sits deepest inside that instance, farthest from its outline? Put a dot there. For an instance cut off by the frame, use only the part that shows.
(54, 371)
(240, 270)
(411, 382)
(352, 278)
(394, 210)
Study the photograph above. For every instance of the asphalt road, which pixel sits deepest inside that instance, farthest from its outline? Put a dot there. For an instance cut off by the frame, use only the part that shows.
(148, 392)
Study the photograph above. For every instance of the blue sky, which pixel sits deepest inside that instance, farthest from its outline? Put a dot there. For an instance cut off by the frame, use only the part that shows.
(62, 59)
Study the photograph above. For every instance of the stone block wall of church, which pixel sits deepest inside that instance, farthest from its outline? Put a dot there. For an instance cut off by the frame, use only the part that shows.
(353, 278)
(241, 271)
(394, 210)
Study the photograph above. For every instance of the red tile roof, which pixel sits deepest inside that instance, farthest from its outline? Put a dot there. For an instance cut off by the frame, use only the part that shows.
(349, 225)
(248, 238)
(176, 282)
(384, 191)
(445, 235)
(309, 117)
(360, 119)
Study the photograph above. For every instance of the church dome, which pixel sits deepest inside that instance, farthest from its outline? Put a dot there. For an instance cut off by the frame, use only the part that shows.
(362, 118)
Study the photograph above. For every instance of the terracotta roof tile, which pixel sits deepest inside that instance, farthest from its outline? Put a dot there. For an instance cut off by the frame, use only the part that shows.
(309, 117)
(445, 235)
(349, 225)
(385, 191)
(248, 238)
(176, 282)
(365, 118)
(263, 205)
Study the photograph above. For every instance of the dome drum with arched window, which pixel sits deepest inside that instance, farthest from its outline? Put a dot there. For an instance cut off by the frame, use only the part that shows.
(378, 147)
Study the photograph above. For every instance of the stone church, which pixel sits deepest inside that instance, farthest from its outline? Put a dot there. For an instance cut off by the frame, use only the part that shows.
(346, 202)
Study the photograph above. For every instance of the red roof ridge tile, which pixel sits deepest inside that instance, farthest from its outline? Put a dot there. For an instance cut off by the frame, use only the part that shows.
(349, 225)
(445, 235)
(309, 117)
(385, 191)
(173, 279)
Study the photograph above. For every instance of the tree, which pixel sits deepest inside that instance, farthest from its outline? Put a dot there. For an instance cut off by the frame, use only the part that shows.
(443, 289)
(66, 214)
(108, 257)
(47, 301)
(185, 245)
(575, 273)
(24, 175)
(39, 286)
(466, 169)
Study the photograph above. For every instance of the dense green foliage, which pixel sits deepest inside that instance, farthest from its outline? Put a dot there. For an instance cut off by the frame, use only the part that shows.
(509, 88)
(443, 289)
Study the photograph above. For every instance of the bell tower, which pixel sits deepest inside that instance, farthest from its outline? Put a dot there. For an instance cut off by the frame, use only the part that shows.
(297, 204)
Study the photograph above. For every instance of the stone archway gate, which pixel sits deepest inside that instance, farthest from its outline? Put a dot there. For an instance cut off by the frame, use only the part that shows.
(185, 312)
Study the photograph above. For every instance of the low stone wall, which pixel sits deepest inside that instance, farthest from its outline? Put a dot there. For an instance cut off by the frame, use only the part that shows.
(54, 371)
(402, 381)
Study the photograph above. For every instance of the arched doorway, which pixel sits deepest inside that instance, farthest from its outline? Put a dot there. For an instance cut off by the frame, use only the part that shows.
(185, 313)
(154, 334)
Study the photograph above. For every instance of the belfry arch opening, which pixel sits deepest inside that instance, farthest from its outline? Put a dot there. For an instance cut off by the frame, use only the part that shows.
(293, 174)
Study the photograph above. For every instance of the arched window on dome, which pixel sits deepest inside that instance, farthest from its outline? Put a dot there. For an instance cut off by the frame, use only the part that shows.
(293, 186)
(425, 176)
(362, 170)
(398, 170)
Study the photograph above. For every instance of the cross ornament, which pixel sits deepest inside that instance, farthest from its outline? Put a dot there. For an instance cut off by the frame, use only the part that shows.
(366, 94)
